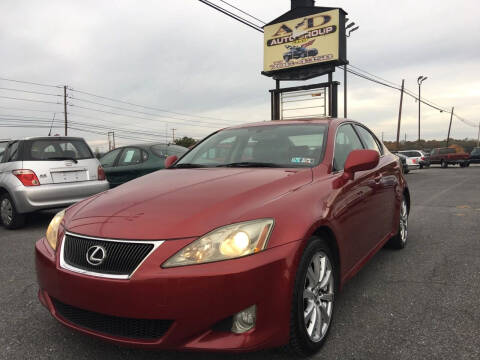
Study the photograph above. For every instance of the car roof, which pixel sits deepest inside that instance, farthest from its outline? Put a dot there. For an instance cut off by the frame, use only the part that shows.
(292, 122)
(48, 138)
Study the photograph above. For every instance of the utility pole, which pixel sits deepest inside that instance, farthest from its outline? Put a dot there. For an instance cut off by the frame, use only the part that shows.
(478, 137)
(173, 135)
(65, 108)
(111, 140)
(420, 80)
(400, 114)
(450, 126)
(347, 35)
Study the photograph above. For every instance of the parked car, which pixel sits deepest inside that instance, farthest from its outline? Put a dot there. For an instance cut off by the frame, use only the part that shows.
(474, 157)
(220, 253)
(448, 156)
(45, 172)
(129, 162)
(403, 160)
(418, 157)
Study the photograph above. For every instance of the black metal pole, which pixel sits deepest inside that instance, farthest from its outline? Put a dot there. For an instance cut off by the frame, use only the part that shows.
(419, 102)
(400, 114)
(65, 108)
(450, 126)
(330, 95)
(345, 83)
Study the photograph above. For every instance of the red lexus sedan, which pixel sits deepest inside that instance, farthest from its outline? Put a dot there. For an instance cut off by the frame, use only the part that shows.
(241, 244)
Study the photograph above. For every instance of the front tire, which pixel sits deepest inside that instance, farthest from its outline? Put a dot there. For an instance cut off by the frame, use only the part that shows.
(313, 299)
(9, 216)
(399, 241)
(444, 164)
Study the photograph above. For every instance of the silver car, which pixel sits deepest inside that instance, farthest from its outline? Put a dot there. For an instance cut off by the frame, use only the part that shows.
(43, 173)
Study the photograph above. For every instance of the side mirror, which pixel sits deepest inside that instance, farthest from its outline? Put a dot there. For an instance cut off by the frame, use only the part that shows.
(169, 161)
(360, 160)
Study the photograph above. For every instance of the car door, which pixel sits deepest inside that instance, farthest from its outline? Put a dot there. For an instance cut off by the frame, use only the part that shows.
(434, 157)
(354, 201)
(127, 167)
(108, 162)
(10, 161)
(385, 180)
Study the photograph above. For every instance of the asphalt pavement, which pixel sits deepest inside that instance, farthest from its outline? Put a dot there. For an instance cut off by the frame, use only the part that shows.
(422, 302)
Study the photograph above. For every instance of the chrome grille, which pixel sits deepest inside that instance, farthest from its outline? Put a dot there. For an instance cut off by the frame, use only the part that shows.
(121, 260)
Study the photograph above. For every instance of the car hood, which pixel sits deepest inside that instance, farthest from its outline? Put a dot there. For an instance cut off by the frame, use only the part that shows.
(182, 203)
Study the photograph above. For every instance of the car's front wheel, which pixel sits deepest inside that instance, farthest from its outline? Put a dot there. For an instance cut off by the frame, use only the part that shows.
(399, 241)
(443, 164)
(9, 216)
(313, 299)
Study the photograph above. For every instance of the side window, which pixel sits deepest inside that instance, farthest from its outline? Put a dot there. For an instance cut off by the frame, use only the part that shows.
(369, 140)
(3, 148)
(12, 152)
(109, 158)
(130, 156)
(345, 141)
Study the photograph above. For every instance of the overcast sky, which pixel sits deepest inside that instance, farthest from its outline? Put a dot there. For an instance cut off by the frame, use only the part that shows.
(185, 57)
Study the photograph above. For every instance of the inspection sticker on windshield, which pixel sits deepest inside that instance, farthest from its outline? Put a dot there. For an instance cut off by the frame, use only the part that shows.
(302, 160)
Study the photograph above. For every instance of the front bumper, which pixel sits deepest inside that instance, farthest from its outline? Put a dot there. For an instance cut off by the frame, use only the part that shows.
(33, 198)
(196, 298)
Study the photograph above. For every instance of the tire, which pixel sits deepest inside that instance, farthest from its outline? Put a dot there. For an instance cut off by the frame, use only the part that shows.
(467, 164)
(462, 165)
(316, 267)
(9, 216)
(421, 166)
(399, 241)
(444, 164)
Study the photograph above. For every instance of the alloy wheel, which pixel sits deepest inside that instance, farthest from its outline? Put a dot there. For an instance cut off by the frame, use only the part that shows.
(318, 296)
(6, 211)
(403, 222)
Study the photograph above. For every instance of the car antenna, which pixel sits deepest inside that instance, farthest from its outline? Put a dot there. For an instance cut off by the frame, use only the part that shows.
(51, 125)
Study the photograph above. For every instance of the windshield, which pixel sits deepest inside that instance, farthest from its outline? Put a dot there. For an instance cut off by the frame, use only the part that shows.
(299, 145)
(57, 149)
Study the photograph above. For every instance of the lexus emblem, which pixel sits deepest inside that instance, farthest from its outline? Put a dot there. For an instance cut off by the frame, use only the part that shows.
(96, 255)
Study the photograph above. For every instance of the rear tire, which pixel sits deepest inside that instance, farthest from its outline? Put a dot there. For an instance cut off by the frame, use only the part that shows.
(313, 299)
(399, 241)
(9, 216)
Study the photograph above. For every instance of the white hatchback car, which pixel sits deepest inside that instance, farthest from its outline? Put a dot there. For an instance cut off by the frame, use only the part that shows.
(43, 173)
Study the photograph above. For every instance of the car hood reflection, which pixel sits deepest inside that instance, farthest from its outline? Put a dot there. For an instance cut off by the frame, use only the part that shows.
(181, 203)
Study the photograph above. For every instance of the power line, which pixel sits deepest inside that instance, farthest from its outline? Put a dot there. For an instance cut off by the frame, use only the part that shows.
(137, 117)
(30, 83)
(232, 15)
(38, 101)
(243, 12)
(29, 92)
(142, 112)
(25, 109)
(143, 106)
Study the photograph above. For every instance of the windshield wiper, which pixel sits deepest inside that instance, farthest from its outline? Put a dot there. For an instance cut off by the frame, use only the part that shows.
(188, 166)
(63, 158)
(250, 164)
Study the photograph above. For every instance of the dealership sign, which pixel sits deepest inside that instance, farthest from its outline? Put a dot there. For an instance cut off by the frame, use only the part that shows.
(312, 39)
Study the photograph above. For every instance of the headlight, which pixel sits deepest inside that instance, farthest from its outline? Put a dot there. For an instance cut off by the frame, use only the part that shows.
(52, 231)
(227, 242)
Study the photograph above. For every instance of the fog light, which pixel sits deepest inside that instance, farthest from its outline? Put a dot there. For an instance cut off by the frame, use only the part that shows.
(244, 320)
